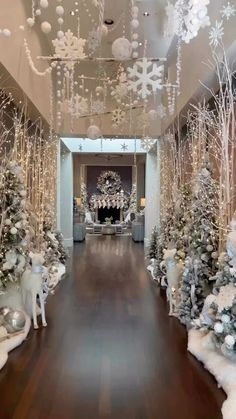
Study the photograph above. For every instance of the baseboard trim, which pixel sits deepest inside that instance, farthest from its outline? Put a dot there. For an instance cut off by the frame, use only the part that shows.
(69, 242)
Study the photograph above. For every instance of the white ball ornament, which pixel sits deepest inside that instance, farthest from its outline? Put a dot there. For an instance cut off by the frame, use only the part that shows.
(18, 224)
(230, 341)
(135, 36)
(8, 222)
(134, 44)
(13, 231)
(99, 90)
(225, 318)
(60, 21)
(219, 328)
(93, 132)
(60, 10)
(135, 54)
(134, 23)
(135, 10)
(6, 33)
(38, 12)
(43, 4)
(121, 49)
(46, 27)
(21, 27)
(60, 34)
(30, 21)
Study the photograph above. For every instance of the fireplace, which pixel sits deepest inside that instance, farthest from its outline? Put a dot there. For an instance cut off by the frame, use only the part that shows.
(106, 212)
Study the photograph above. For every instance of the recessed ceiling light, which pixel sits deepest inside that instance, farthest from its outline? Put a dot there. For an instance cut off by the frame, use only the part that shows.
(146, 14)
(72, 13)
(140, 44)
(108, 21)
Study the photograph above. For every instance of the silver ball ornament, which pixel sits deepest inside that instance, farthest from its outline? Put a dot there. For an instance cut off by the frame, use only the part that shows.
(14, 321)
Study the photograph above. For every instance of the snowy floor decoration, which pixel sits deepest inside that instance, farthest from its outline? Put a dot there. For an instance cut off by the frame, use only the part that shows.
(224, 370)
(12, 299)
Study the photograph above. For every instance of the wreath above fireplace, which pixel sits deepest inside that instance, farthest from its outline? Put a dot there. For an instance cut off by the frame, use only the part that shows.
(109, 182)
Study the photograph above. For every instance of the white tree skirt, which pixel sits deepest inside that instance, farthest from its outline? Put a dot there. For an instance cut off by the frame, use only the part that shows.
(224, 370)
(9, 344)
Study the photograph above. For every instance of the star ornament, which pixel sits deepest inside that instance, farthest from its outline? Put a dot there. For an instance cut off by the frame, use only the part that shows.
(228, 11)
(124, 147)
(216, 34)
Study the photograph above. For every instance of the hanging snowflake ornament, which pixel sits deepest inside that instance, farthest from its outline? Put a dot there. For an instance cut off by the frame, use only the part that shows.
(98, 107)
(228, 11)
(216, 34)
(147, 143)
(120, 91)
(145, 77)
(78, 106)
(69, 47)
(94, 40)
(161, 111)
(118, 117)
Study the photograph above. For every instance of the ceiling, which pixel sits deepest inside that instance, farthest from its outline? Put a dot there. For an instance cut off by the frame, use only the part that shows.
(150, 31)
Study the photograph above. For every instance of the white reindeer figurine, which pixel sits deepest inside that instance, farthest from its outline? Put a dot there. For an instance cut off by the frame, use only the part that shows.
(32, 283)
(174, 271)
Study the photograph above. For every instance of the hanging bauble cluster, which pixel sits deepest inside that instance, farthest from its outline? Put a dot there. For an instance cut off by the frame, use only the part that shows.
(134, 26)
(94, 132)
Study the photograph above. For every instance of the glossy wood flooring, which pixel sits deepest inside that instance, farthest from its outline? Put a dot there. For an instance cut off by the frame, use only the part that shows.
(109, 351)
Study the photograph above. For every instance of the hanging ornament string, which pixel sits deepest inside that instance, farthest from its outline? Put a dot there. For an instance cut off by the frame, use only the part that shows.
(31, 63)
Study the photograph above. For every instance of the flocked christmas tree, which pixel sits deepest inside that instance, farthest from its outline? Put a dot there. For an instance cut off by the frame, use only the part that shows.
(84, 197)
(152, 248)
(201, 262)
(14, 227)
(133, 200)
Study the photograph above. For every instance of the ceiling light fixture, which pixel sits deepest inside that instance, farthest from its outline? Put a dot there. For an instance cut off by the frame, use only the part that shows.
(108, 21)
(140, 44)
(146, 14)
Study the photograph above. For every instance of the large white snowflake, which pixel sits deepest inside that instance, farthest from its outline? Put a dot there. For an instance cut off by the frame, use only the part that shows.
(69, 47)
(145, 77)
(147, 143)
(216, 34)
(98, 106)
(118, 117)
(161, 111)
(228, 11)
(78, 106)
(192, 16)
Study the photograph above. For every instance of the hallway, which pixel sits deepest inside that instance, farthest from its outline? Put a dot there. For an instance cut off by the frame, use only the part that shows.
(110, 350)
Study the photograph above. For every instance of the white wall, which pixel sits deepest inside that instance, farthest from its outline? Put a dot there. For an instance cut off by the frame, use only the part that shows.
(66, 197)
(152, 209)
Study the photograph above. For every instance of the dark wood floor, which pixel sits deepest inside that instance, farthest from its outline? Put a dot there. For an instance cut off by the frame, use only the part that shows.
(109, 351)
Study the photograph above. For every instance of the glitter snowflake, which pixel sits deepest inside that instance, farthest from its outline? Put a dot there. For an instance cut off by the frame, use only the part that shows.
(78, 106)
(228, 11)
(147, 143)
(216, 34)
(69, 47)
(118, 117)
(145, 77)
(97, 107)
(120, 91)
(161, 111)
(94, 40)
(143, 120)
